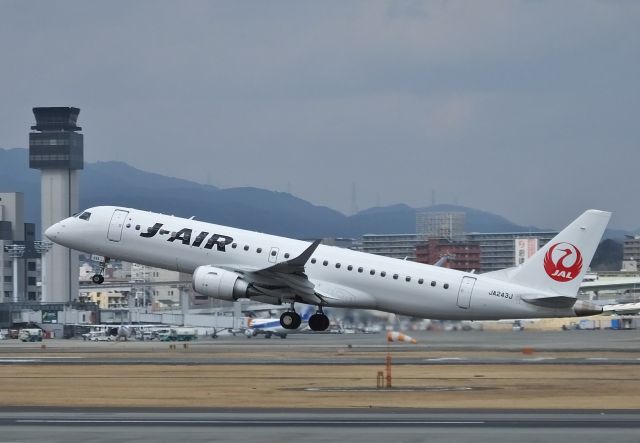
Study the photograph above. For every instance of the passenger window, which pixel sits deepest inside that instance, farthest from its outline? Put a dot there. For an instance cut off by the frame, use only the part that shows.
(234, 245)
(325, 263)
(338, 265)
(313, 260)
(128, 225)
(360, 269)
(446, 285)
(408, 278)
(349, 268)
(420, 281)
(286, 255)
(395, 276)
(259, 250)
(273, 253)
(137, 227)
(383, 274)
(433, 283)
(246, 247)
(372, 272)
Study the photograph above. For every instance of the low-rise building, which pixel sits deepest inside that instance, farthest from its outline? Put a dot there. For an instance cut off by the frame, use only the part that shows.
(402, 246)
(500, 250)
(463, 256)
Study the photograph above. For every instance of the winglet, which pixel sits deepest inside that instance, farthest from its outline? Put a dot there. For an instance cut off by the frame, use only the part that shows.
(296, 264)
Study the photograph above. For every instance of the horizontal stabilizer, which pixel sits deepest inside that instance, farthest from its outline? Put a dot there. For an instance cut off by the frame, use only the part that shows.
(581, 308)
(551, 302)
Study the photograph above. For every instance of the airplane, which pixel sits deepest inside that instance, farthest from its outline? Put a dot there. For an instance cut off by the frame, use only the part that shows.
(104, 332)
(124, 332)
(271, 326)
(228, 264)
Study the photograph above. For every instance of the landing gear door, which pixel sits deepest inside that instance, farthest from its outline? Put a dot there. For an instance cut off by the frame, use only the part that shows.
(117, 223)
(465, 291)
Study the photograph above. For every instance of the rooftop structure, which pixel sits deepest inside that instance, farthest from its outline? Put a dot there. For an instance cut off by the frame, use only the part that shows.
(439, 224)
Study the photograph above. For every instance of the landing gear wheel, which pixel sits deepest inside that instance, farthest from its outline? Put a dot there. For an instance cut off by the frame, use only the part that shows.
(319, 322)
(98, 278)
(290, 320)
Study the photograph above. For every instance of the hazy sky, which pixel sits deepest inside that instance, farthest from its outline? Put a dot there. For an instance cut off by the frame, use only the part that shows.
(529, 109)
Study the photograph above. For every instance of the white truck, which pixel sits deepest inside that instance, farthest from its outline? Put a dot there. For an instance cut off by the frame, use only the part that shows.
(30, 334)
(180, 334)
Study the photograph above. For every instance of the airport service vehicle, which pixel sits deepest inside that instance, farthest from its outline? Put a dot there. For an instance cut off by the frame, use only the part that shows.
(180, 334)
(30, 334)
(228, 264)
(271, 326)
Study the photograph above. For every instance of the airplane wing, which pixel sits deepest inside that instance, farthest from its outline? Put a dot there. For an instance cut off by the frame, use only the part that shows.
(295, 265)
(287, 281)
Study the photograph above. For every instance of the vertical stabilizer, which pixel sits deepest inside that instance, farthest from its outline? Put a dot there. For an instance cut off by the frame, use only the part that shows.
(560, 265)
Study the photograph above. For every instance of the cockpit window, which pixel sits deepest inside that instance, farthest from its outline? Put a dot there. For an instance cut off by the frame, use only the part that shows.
(85, 216)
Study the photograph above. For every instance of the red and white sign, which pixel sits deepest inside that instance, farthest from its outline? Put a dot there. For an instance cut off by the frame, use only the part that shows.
(563, 262)
(525, 249)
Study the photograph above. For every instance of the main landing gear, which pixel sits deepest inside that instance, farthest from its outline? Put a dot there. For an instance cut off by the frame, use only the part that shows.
(98, 278)
(290, 320)
(319, 321)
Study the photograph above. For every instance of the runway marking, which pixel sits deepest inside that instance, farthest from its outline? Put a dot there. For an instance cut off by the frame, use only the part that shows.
(40, 358)
(257, 422)
(447, 359)
(17, 360)
(539, 358)
(598, 358)
(31, 359)
(419, 389)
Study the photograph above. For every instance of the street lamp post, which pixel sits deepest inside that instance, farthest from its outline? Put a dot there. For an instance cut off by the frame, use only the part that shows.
(15, 251)
(42, 247)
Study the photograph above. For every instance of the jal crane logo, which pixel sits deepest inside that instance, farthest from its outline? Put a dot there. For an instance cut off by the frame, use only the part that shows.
(563, 262)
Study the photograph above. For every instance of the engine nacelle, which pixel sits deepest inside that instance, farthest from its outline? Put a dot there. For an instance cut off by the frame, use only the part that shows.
(219, 283)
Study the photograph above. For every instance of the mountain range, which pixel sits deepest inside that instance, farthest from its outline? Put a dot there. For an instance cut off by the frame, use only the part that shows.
(279, 213)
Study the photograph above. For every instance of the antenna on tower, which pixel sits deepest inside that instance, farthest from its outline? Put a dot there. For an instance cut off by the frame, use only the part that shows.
(354, 199)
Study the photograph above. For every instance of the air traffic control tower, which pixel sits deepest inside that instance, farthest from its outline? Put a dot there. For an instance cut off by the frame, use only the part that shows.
(56, 148)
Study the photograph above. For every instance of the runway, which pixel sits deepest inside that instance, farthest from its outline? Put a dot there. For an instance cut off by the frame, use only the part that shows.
(398, 360)
(460, 386)
(433, 348)
(231, 425)
(574, 340)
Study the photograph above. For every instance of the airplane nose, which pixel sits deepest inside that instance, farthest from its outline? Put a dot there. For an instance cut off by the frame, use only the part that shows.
(52, 232)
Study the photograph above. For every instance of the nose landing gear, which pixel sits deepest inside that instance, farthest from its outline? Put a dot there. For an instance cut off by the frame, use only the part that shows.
(98, 277)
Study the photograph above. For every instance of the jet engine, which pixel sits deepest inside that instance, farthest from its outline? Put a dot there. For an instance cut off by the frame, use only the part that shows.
(219, 283)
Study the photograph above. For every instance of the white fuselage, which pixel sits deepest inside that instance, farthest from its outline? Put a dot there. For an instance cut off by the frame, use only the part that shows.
(354, 279)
